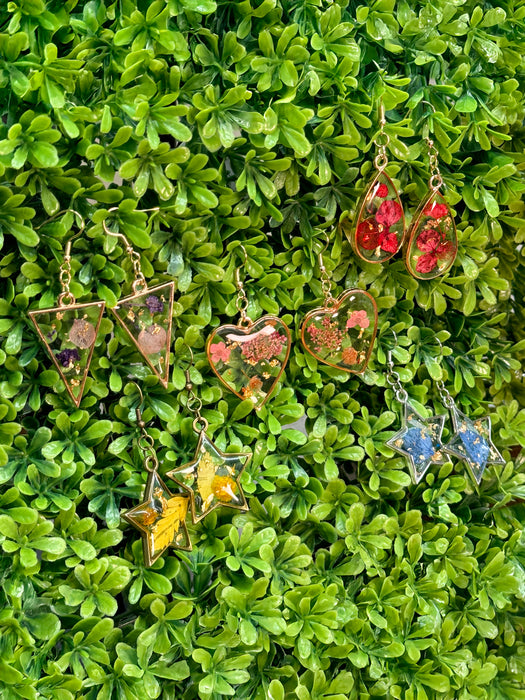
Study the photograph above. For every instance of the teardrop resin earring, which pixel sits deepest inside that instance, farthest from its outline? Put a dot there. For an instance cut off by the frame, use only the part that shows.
(432, 239)
(146, 315)
(69, 330)
(379, 228)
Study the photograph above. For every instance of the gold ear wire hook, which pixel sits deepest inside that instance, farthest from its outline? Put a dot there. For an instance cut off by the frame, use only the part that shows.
(139, 284)
(242, 298)
(66, 297)
(194, 403)
(326, 282)
(145, 442)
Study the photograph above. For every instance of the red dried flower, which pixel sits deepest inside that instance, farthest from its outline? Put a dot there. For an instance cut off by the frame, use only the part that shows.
(389, 212)
(429, 239)
(388, 242)
(370, 237)
(368, 234)
(426, 263)
(329, 337)
(445, 250)
(358, 318)
(436, 210)
(382, 191)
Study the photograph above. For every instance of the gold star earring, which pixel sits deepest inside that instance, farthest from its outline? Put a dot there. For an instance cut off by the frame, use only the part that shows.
(161, 517)
(212, 476)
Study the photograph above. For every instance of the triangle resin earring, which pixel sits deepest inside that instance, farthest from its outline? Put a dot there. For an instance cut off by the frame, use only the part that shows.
(341, 333)
(69, 330)
(146, 315)
(379, 228)
(432, 238)
(249, 358)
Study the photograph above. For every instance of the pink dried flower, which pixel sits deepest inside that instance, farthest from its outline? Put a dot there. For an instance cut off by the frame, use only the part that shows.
(220, 352)
(264, 347)
(358, 318)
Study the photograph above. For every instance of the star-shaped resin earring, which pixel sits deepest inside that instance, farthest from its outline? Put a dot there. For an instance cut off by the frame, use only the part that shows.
(161, 517)
(419, 439)
(472, 438)
(212, 476)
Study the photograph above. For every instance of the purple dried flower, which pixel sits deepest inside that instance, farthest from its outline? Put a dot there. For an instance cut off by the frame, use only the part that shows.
(154, 304)
(67, 358)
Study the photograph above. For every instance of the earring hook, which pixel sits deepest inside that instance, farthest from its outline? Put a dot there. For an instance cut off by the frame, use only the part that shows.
(242, 299)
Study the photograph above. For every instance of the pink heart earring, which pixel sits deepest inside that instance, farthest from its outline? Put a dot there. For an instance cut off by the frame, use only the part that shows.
(249, 357)
(341, 333)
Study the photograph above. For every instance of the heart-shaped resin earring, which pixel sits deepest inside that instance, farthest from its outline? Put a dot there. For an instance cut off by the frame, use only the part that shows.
(379, 228)
(249, 357)
(341, 333)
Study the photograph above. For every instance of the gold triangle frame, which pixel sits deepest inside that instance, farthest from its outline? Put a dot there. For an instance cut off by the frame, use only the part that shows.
(164, 378)
(69, 307)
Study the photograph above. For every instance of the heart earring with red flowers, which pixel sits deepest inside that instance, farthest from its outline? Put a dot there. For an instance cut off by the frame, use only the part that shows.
(249, 358)
(341, 333)
(379, 229)
(432, 238)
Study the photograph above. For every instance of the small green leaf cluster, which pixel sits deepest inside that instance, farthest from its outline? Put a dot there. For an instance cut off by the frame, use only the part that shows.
(253, 122)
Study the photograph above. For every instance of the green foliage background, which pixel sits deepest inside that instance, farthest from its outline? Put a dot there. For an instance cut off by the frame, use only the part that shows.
(252, 122)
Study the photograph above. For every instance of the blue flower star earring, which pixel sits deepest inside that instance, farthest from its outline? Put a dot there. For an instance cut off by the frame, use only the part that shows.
(419, 439)
(472, 439)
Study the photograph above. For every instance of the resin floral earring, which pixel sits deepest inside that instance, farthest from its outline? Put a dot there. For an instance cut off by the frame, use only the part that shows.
(472, 438)
(249, 358)
(419, 439)
(69, 330)
(146, 315)
(341, 333)
(161, 517)
(432, 238)
(379, 228)
(212, 477)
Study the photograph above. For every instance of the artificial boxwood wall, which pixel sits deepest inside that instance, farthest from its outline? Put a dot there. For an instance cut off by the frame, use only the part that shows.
(252, 122)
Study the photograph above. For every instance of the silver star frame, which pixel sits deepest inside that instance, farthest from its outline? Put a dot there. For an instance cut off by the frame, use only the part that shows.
(430, 428)
(456, 446)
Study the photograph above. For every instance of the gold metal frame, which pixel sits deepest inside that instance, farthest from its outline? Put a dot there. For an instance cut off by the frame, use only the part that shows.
(334, 307)
(61, 308)
(148, 497)
(148, 290)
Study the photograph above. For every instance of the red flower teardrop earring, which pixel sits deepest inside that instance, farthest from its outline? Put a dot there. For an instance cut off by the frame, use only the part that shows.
(379, 228)
(432, 238)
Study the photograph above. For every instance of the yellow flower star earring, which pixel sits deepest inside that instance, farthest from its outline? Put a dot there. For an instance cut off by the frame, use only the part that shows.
(212, 476)
(161, 517)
